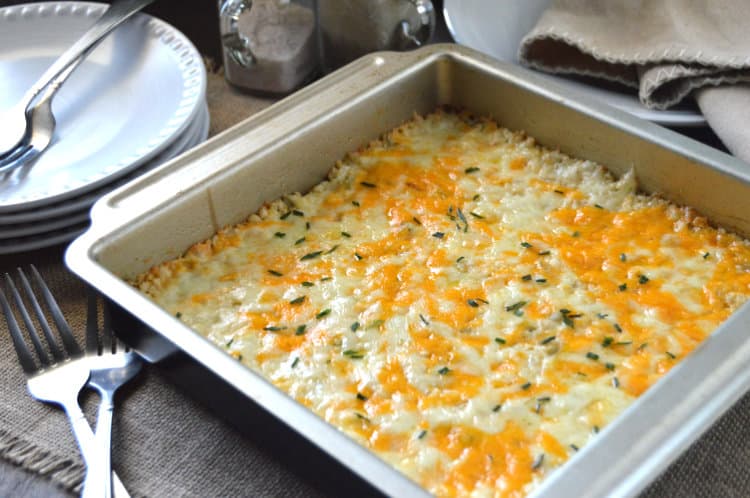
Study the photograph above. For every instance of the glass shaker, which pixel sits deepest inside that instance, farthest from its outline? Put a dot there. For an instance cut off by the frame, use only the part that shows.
(269, 46)
(352, 28)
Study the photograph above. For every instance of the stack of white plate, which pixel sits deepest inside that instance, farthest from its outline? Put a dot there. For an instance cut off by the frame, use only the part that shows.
(136, 101)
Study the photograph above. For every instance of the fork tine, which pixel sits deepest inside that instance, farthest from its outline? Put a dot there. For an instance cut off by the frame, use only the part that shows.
(16, 159)
(54, 347)
(33, 335)
(108, 338)
(24, 355)
(69, 342)
(92, 322)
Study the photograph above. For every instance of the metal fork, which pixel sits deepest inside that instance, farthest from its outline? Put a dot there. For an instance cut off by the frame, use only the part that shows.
(57, 379)
(28, 128)
(111, 365)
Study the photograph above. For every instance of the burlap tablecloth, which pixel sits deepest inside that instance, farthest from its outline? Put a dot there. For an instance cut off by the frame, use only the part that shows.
(166, 445)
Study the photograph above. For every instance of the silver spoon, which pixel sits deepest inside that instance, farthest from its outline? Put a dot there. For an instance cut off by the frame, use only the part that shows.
(28, 127)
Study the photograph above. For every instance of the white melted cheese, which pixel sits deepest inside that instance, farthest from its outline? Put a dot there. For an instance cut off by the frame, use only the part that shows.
(472, 307)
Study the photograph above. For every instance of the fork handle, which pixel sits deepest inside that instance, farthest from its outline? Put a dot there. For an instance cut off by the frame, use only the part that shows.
(116, 14)
(98, 481)
(89, 446)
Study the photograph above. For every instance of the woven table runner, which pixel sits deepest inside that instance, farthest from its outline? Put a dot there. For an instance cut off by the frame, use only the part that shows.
(166, 445)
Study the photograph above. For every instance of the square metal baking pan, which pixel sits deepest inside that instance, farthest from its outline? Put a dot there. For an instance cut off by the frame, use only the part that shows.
(290, 147)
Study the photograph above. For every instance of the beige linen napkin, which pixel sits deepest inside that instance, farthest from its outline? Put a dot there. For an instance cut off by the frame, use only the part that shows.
(668, 49)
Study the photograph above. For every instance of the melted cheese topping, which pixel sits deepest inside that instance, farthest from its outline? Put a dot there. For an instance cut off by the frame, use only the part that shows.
(470, 306)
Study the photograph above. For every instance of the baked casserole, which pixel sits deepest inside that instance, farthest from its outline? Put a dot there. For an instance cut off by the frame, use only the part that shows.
(471, 306)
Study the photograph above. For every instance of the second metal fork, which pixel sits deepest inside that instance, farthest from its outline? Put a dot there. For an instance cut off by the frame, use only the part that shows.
(111, 365)
(58, 379)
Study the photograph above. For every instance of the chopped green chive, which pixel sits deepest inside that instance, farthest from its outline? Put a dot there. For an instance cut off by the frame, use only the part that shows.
(326, 279)
(602, 316)
(294, 363)
(617, 327)
(500, 340)
(444, 371)
(307, 284)
(361, 397)
(559, 192)
(515, 306)
(438, 235)
(346, 234)
(354, 326)
(355, 203)
(547, 340)
(285, 215)
(424, 320)
(643, 346)
(229, 342)
(540, 402)
(598, 206)
(544, 253)
(178, 315)
(476, 197)
(610, 366)
(607, 342)
(576, 234)
(526, 245)
(671, 355)
(473, 303)
(307, 225)
(323, 313)
(623, 287)
(375, 323)
(526, 277)
(358, 256)
(311, 255)
(574, 447)
(624, 343)
(460, 258)
(300, 330)
(367, 184)
(567, 318)
(592, 356)
(354, 354)
(297, 212)
(421, 434)
(299, 241)
(541, 280)
(279, 235)
(475, 215)
(623, 258)
(526, 386)
(496, 408)
(416, 220)
(706, 255)
(473, 169)
(297, 300)
(615, 382)
(276, 273)
(461, 216)
(332, 249)
(274, 328)
(642, 279)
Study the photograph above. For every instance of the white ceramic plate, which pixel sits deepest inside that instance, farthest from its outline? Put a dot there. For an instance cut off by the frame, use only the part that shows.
(59, 232)
(496, 27)
(196, 133)
(22, 244)
(134, 95)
